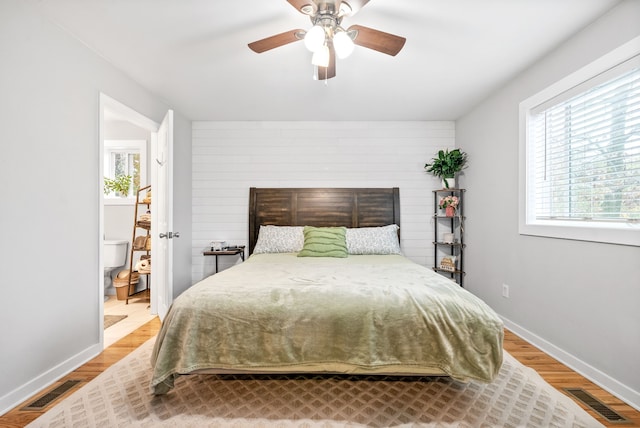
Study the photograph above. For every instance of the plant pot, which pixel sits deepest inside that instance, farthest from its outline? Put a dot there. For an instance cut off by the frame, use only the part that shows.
(450, 211)
(448, 183)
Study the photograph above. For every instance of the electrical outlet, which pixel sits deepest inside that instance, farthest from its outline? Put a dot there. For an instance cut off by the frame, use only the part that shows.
(505, 291)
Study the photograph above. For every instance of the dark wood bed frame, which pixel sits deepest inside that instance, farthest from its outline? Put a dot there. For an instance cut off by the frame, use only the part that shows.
(321, 207)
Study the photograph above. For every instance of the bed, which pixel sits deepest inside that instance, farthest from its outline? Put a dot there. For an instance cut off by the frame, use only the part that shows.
(326, 290)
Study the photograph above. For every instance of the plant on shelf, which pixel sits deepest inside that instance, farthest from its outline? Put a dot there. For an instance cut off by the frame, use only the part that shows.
(449, 204)
(449, 201)
(447, 165)
(119, 185)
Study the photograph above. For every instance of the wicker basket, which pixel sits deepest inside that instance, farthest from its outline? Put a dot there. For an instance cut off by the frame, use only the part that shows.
(121, 281)
(140, 242)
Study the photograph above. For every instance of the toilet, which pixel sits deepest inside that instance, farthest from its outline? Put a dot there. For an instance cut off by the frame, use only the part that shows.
(115, 256)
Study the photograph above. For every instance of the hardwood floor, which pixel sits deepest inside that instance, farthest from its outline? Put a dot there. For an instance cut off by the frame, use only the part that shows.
(552, 371)
(137, 311)
(560, 376)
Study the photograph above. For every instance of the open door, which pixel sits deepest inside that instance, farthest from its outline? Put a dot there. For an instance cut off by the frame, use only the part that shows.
(162, 234)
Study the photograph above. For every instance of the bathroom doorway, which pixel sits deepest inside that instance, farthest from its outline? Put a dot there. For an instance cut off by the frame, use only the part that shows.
(128, 129)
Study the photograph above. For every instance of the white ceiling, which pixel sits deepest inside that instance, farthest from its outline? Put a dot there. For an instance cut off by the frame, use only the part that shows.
(194, 54)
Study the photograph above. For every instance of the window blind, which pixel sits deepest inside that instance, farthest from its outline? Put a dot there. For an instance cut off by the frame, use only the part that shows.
(586, 150)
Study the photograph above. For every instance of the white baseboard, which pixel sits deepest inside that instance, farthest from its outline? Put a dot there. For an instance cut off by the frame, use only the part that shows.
(37, 384)
(606, 382)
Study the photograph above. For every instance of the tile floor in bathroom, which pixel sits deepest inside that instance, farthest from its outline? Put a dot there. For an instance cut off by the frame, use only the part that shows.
(137, 312)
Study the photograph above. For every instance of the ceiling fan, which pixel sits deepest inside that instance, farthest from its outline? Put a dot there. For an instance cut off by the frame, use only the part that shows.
(327, 39)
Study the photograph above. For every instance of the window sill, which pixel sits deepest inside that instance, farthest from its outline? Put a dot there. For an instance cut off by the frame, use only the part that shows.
(618, 234)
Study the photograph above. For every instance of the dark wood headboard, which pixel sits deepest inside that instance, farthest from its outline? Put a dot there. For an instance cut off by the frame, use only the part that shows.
(322, 208)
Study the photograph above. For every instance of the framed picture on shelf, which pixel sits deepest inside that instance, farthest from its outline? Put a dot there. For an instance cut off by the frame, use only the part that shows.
(448, 263)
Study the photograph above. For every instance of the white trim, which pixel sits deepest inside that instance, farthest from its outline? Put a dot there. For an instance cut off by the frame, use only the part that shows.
(103, 101)
(124, 112)
(153, 304)
(604, 381)
(624, 234)
(39, 383)
(602, 64)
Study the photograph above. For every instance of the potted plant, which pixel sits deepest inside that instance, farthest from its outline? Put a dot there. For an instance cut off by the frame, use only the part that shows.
(119, 185)
(447, 165)
(449, 204)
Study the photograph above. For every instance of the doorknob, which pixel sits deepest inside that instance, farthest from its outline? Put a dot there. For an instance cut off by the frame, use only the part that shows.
(169, 235)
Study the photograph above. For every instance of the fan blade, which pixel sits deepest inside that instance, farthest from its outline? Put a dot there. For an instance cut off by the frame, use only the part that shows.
(380, 41)
(325, 73)
(308, 7)
(355, 5)
(277, 41)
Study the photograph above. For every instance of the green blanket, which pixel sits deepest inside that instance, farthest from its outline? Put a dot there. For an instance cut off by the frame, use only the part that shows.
(361, 314)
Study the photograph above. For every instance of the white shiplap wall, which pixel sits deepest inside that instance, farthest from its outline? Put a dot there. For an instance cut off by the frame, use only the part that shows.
(231, 157)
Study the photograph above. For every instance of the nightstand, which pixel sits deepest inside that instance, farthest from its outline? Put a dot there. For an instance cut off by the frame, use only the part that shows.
(228, 252)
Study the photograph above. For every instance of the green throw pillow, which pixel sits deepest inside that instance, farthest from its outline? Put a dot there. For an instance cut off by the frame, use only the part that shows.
(324, 242)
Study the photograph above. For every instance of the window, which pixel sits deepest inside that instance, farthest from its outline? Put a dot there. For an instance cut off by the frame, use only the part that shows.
(125, 158)
(582, 154)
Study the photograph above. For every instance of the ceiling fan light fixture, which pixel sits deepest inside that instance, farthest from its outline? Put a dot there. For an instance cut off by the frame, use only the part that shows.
(327, 39)
(345, 9)
(307, 9)
(343, 44)
(321, 57)
(314, 39)
(315, 73)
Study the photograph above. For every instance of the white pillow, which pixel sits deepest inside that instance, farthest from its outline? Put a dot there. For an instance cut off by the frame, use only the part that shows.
(373, 240)
(279, 239)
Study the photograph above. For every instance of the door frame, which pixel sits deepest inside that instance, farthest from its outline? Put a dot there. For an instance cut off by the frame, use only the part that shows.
(121, 111)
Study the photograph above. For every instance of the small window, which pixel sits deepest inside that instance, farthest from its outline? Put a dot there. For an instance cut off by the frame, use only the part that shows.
(582, 156)
(122, 159)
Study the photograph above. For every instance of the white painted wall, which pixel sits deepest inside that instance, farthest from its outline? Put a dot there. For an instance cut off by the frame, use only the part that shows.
(577, 300)
(49, 300)
(231, 157)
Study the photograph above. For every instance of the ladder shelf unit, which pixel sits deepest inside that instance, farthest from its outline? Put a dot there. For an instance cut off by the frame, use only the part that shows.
(140, 240)
(448, 253)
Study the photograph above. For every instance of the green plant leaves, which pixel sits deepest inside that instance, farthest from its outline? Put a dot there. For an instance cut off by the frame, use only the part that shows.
(120, 184)
(447, 164)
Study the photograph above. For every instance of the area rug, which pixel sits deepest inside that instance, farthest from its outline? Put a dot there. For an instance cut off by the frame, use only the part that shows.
(120, 397)
(110, 320)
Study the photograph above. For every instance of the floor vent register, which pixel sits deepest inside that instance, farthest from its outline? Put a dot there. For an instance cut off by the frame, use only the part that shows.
(598, 406)
(51, 396)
